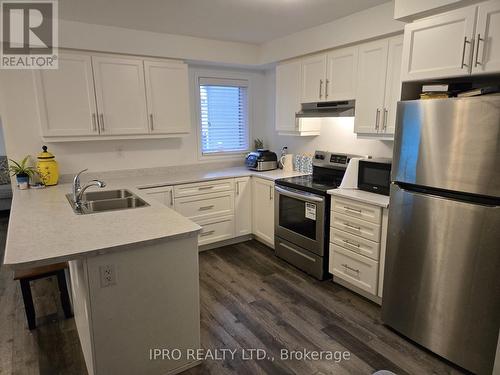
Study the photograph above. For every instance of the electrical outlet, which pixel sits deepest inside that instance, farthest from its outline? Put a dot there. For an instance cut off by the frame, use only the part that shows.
(108, 275)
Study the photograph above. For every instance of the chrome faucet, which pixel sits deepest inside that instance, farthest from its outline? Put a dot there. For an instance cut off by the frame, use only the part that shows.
(78, 190)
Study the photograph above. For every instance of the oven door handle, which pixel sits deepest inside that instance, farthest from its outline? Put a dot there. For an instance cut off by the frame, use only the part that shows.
(298, 195)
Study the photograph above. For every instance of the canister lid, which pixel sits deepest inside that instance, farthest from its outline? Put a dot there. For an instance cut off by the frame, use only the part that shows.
(45, 154)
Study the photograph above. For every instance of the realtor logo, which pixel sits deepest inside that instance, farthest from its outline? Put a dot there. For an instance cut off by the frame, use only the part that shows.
(29, 35)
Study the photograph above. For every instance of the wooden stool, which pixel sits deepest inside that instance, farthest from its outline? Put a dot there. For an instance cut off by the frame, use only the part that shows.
(26, 275)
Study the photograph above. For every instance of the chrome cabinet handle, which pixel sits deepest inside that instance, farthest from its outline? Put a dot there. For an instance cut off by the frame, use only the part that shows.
(204, 208)
(320, 88)
(205, 187)
(350, 268)
(326, 88)
(352, 209)
(94, 122)
(463, 53)
(270, 193)
(352, 226)
(237, 188)
(207, 233)
(352, 243)
(377, 118)
(172, 197)
(151, 120)
(386, 114)
(102, 122)
(479, 40)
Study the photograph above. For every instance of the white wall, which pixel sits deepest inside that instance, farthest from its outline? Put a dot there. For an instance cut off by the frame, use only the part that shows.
(337, 134)
(2, 142)
(19, 115)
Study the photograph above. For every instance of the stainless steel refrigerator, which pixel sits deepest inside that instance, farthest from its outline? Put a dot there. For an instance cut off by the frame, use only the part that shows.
(442, 272)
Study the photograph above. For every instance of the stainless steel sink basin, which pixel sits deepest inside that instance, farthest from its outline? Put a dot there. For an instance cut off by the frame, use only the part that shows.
(113, 201)
(106, 194)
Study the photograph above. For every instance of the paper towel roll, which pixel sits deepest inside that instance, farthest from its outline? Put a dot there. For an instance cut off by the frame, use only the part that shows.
(350, 180)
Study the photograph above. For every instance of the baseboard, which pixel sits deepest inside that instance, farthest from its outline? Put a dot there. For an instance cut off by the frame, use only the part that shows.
(357, 290)
(231, 241)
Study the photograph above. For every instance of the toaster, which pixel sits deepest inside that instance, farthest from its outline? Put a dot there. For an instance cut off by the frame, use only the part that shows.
(261, 160)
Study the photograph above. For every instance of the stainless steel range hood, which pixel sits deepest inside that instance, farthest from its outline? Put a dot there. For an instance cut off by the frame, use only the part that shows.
(344, 108)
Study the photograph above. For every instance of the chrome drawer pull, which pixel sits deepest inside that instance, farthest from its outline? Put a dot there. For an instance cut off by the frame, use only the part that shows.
(204, 208)
(352, 226)
(463, 53)
(205, 187)
(207, 233)
(352, 209)
(351, 243)
(350, 268)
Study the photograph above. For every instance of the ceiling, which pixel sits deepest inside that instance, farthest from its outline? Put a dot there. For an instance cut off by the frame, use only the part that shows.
(250, 21)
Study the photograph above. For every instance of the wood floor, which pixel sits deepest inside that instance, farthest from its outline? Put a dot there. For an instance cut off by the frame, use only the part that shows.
(249, 299)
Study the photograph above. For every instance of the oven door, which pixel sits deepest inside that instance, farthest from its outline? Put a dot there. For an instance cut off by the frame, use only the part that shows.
(299, 218)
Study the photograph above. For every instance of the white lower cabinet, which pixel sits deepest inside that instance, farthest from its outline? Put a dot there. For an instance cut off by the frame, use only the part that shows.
(242, 206)
(358, 233)
(263, 210)
(163, 194)
(205, 206)
(217, 229)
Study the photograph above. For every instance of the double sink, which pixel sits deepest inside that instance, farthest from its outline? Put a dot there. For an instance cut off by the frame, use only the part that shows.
(107, 200)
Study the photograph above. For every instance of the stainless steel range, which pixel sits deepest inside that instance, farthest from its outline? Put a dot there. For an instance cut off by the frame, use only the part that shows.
(302, 214)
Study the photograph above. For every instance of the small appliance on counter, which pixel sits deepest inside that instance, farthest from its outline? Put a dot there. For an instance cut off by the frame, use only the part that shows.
(374, 175)
(261, 160)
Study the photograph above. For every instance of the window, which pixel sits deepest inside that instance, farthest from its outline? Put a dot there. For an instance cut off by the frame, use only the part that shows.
(223, 115)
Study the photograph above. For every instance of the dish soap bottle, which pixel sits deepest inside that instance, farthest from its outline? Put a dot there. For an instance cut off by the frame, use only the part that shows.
(47, 167)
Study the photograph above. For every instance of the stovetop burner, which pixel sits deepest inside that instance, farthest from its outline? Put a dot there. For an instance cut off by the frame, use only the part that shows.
(328, 171)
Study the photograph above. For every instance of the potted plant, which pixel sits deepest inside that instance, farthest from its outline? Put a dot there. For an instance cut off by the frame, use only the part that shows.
(22, 171)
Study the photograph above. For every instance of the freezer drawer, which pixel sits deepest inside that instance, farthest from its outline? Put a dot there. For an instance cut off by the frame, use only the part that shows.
(301, 258)
(451, 144)
(441, 283)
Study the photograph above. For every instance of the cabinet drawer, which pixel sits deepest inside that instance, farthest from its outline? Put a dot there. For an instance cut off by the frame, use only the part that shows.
(355, 243)
(205, 205)
(356, 209)
(203, 188)
(355, 226)
(216, 230)
(354, 268)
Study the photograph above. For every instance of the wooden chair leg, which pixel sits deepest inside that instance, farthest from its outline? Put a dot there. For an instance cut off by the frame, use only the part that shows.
(28, 303)
(63, 290)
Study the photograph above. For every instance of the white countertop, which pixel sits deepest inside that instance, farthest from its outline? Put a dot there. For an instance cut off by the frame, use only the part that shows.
(362, 196)
(43, 228)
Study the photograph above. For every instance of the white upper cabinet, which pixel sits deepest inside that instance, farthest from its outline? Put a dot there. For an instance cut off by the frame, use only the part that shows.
(287, 95)
(440, 46)
(393, 85)
(120, 92)
(370, 92)
(342, 68)
(313, 79)
(66, 97)
(487, 39)
(167, 97)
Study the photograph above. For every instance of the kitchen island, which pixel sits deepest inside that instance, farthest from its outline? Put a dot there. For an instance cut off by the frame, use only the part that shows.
(151, 299)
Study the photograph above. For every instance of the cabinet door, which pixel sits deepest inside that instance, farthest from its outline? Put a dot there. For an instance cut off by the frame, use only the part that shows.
(487, 49)
(163, 194)
(370, 87)
(243, 206)
(263, 210)
(342, 69)
(168, 97)
(440, 46)
(121, 95)
(392, 85)
(313, 79)
(287, 95)
(66, 97)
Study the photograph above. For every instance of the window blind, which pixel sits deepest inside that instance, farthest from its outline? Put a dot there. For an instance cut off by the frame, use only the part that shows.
(223, 115)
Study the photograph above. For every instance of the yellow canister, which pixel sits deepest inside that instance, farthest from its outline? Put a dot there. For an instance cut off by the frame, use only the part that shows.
(47, 167)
